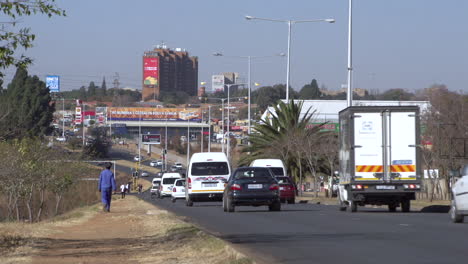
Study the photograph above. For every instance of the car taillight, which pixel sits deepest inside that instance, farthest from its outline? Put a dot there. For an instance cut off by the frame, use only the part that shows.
(189, 185)
(274, 187)
(174, 190)
(236, 187)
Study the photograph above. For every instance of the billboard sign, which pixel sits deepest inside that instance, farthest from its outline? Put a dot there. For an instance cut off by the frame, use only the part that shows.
(217, 83)
(78, 116)
(153, 114)
(53, 82)
(151, 139)
(151, 72)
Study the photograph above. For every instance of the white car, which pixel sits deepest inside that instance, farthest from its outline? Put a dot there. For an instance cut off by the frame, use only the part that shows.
(144, 174)
(61, 139)
(178, 190)
(459, 207)
(136, 158)
(167, 182)
(178, 165)
(156, 163)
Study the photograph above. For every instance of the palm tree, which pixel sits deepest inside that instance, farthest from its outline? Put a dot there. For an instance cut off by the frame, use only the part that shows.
(279, 136)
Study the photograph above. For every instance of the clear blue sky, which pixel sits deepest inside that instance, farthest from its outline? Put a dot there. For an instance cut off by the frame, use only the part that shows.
(397, 43)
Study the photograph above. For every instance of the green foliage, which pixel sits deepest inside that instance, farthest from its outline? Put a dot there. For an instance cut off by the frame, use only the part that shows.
(279, 136)
(178, 97)
(99, 146)
(26, 110)
(310, 91)
(92, 89)
(396, 95)
(269, 95)
(13, 38)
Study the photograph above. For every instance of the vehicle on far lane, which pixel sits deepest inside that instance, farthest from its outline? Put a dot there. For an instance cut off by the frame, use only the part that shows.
(252, 186)
(178, 191)
(287, 189)
(156, 163)
(167, 182)
(275, 165)
(459, 207)
(136, 158)
(178, 165)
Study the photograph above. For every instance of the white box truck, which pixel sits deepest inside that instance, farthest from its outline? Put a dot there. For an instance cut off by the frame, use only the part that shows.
(379, 156)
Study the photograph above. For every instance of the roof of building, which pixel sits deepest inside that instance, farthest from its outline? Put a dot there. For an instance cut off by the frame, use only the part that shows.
(327, 110)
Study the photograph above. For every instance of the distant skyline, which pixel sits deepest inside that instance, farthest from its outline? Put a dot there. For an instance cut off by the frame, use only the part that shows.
(396, 44)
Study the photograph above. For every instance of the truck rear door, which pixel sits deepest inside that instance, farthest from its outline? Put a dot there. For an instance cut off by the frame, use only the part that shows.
(401, 147)
(368, 157)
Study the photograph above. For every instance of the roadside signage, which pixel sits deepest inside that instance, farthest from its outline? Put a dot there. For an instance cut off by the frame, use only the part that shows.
(151, 139)
(53, 82)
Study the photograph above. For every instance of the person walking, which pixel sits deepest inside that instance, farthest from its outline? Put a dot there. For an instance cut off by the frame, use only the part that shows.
(106, 186)
(122, 190)
(127, 188)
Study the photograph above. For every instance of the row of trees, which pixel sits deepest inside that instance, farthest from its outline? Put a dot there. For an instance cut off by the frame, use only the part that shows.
(35, 179)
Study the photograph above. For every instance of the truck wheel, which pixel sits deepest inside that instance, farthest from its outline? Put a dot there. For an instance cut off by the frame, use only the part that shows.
(454, 216)
(353, 206)
(405, 205)
(392, 207)
(188, 202)
(230, 206)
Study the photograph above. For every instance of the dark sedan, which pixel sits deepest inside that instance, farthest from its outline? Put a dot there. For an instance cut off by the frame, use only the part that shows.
(251, 186)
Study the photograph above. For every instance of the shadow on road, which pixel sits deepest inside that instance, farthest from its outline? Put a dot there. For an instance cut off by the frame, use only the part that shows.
(436, 209)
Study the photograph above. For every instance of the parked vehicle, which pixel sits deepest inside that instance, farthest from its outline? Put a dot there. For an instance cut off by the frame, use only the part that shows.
(287, 189)
(206, 175)
(156, 163)
(167, 182)
(178, 191)
(276, 165)
(252, 186)
(459, 207)
(379, 157)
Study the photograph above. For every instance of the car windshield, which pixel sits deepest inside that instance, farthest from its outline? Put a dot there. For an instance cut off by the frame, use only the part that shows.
(180, 183)
(277, 171)
(209, 168)
(169, 180)
(252, 173)
(283, 180)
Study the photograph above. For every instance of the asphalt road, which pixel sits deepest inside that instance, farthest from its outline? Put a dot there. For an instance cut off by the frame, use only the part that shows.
(311, 233)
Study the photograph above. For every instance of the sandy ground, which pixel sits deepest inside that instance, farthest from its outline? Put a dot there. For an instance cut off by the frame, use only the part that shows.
(133, 232)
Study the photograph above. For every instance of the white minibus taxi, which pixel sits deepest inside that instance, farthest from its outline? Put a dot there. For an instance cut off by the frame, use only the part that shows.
(275, 165)
(206, 175)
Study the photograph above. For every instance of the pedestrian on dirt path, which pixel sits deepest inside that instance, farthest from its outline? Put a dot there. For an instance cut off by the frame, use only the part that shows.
(122, 190)
(106, 186)
(127, 188)
(140, 187)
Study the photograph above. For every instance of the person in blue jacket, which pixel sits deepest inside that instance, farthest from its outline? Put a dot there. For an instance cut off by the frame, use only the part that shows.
(106, 186)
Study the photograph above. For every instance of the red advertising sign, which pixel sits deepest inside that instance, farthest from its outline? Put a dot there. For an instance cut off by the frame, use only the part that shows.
(151, 72)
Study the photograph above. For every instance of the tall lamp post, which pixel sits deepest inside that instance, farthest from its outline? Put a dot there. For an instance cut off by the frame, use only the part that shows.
(249, 82)
(349, 96)
(290, 23)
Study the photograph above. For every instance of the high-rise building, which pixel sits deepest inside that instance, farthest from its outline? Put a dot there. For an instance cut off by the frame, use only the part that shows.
(169, 70)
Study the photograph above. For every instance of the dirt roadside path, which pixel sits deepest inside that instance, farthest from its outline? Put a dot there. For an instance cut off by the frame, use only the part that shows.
(133, 232)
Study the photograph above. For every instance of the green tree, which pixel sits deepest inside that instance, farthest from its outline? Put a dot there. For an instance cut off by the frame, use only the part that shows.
(310, 91)
(280, 135)
(397, 95)
(13, 38)
(29, 111)
(82, 93)
(92, 89)
(103, 87)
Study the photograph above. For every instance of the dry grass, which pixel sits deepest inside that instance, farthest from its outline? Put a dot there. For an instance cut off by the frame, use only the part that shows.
(134, 231)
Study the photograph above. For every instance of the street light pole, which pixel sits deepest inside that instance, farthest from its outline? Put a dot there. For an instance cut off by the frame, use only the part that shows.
(82, 121)
(288, 67)
(228, 123)
(350, 66)
(63, 117)
(289, 22)
(222, 118)
(209, 128)
(165, 147)
(139, 141)
(201, 147)
(188, 142)
(248, 106)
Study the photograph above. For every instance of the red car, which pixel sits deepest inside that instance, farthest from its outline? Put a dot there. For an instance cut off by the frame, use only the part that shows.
(288, 189)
